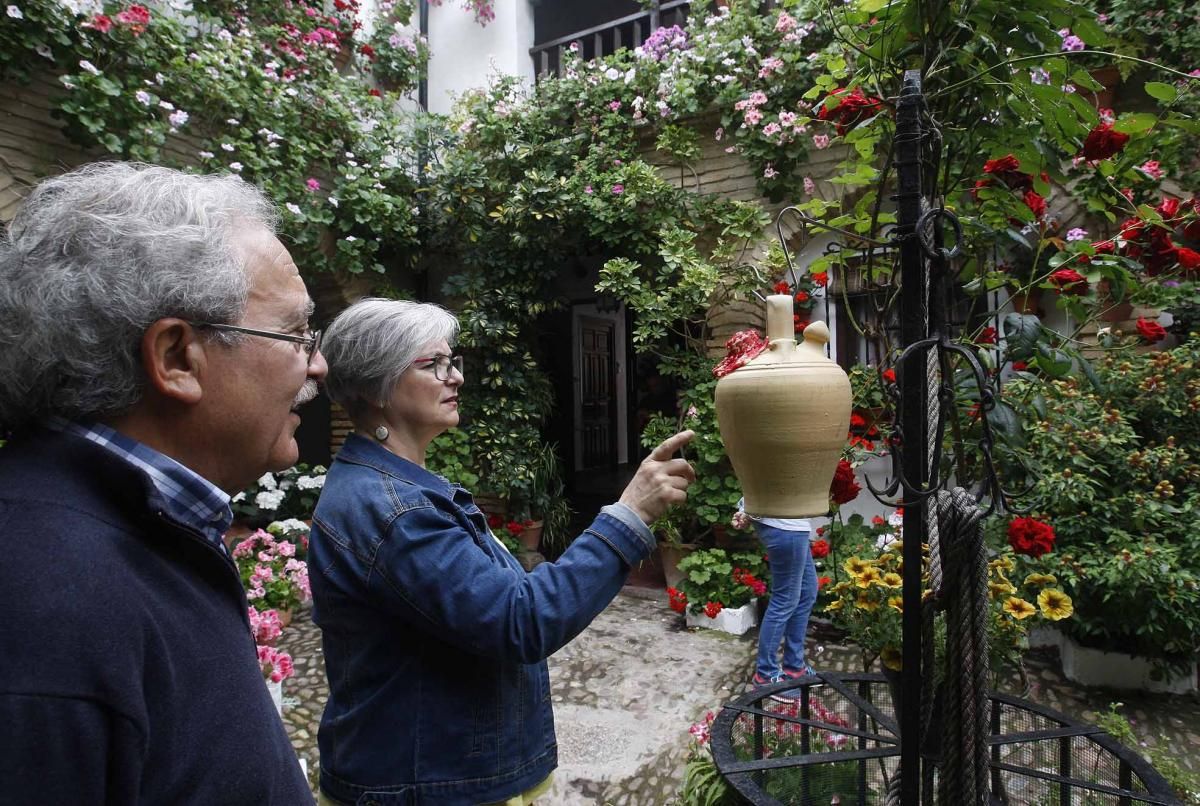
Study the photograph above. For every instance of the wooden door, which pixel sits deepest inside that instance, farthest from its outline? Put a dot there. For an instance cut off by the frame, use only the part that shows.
(597, 393)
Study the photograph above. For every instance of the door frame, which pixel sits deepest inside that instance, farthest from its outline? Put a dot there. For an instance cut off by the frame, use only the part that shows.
(620, 378)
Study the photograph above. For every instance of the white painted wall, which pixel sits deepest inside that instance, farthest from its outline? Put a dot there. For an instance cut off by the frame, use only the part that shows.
(463, 54)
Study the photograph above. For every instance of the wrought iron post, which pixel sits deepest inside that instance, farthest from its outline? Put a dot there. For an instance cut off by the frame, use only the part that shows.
(914, 418)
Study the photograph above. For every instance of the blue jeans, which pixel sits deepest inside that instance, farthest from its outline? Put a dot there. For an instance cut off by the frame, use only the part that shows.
(793, 594)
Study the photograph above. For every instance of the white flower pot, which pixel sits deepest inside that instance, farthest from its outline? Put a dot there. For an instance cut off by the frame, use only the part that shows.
(731, 620)
(276, 690)
(1045, 637)
(1095, 667)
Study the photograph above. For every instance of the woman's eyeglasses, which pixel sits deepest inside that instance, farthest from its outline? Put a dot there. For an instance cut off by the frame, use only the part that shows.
(311, 343)
(441, 364)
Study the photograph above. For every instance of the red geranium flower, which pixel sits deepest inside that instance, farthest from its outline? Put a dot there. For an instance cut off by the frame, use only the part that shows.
(782, 287)
(374, 93)
(101, 23)
(878, 520)
(713, 608)
(1030, 536)
(514, 528)
(820, 549)
(823, 581)
(1035, 203)
(799, 324)
(367, 51)
(1151, 331)
(802, 297)
(1019, 366)
(852, 108)
(889, 375)
(1068, 280)
(1102, 142)
(821, 278)
(678, 600)
(741, 347)
(986, 336)
(844, 488)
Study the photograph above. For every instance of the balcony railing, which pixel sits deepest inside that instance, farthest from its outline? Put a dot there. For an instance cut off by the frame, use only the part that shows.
(606, 39)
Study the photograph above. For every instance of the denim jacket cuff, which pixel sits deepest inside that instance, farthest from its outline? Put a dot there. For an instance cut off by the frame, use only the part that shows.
(631, 531)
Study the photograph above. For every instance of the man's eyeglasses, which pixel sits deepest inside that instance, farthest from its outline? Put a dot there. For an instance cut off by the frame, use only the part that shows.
(310, 343)
(441, 364)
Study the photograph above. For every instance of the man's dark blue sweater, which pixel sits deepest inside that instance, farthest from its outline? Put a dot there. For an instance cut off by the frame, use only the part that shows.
(128, 674)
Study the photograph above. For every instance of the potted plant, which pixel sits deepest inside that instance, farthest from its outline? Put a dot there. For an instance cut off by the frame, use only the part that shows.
(719, 590)
(290, 493)
(543, 510)
(272, 575)
(276, 664)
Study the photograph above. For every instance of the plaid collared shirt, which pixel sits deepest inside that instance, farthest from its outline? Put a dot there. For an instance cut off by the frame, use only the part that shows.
(190, 499)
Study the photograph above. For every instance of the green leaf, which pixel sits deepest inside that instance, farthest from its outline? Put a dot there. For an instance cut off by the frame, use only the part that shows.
(1137, 123)
(1163, 92)
(871, 6)
(1022, 331)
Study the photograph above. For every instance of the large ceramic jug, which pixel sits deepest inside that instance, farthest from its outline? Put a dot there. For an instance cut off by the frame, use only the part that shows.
(784, 417)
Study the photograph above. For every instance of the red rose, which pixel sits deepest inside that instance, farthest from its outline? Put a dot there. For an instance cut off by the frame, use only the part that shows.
(1035, 203)
(1068, 280)
(1005, 169)
(889, 375)
(1030, 536)
(374, 93)
(1189, 259)
(1102, 142)
(741, 347)
(1105, 247)
(713, 608)
(1151, 331)
(844, 488)
(1168, 208)
(820, 549)
(986, 336)
(821, 278)
(1001, 164)
(852, 108)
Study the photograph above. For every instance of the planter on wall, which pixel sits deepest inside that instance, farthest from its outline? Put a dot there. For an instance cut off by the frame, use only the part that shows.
(1095, 667)
(733, 620)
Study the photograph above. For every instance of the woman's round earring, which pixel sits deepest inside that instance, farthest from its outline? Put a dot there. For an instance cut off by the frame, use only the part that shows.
(381, 433)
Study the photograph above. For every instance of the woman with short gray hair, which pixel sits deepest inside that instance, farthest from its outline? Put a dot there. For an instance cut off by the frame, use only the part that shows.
(435, 638)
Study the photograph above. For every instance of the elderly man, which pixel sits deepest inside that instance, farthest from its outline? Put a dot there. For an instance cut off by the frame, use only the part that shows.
(154, 349)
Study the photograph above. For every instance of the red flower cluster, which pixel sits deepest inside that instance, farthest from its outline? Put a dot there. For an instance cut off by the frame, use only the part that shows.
(367, 51)
(852, 108)
(744, 577)
(678, 600)
(516, 527)
(844, 488)
(782, 287)
(820, 549)
(1150, 330)
(821, 278)
(1006, 171)
(889, 375)
(1153, 245)
(1030, 536)
(823, 581)
(986, 336)
(1068, 280)
(741, 347)
(712, 609)
(136, 17)
(1102, 142)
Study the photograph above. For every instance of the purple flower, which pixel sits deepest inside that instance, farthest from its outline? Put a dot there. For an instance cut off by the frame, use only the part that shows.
(587, 189)
(618, 189)
(1077, 234)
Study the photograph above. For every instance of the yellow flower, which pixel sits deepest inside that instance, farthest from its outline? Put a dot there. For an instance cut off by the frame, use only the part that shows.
(892, 658)
(1041, 579)
(868, 577)
(1019, 608)
(1005, 563)
(838, 588)
(893, 580)
(998, 589)
(1055, 604)
(896, 603)
(865, 602)
(896, 548)
(856, 565)
(835, 605)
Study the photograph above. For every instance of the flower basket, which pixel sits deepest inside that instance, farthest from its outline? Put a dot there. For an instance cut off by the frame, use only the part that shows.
(733, 620)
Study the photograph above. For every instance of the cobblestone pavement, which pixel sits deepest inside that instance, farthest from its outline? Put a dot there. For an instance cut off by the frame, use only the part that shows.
(626, 690)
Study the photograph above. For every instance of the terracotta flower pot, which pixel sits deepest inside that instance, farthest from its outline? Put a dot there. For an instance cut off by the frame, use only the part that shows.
(531, 538)
(784, 418)
(671, 554)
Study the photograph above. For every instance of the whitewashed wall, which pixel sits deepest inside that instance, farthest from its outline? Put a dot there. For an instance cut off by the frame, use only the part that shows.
(463, 54)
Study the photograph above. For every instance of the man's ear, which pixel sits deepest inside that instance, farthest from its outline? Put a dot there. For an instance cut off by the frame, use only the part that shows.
(173, 357)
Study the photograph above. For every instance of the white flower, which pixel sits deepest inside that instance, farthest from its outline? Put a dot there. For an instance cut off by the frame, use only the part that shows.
(167, 105)
(350, 239)
(178, 118)
(143, 98)
(310, 482)
(206, 155)
(15, 13)
(333, 200)
(267, 482)
(884, 541)
(233, 122)
(86, 65)
(224, 35)
(235, 166)
(45, 52)
(159, 78)
(293, 208)
(269, 499)
(239, 497)
(227, 146)
(612, 74)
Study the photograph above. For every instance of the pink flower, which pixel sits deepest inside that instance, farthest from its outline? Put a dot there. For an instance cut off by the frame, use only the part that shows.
(1152, 170)
(787, 118)
(614, 106)
(771, 129)
(785, 23)
(719, 133)
(312, 184)
(587, 189)
(810, 187)
(287, 549)
(769, 172)
(752, 117)
(618, 189)
(821, 140)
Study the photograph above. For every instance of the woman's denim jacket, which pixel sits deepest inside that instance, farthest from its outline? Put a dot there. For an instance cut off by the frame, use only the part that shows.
(435, 638)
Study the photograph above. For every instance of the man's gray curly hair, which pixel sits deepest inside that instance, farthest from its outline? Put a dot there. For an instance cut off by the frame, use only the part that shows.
(97, 255)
